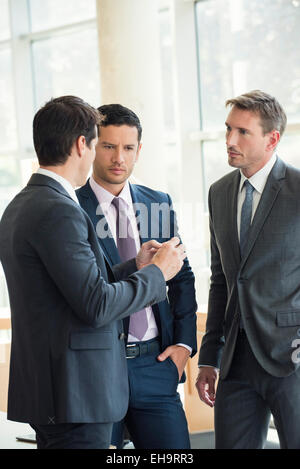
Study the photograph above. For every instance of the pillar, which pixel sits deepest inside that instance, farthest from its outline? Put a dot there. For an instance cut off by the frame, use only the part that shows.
(130, 75)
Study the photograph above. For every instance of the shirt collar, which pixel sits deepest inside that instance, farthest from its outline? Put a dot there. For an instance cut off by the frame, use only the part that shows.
(106, 197)
(259, 179)
(64, 182)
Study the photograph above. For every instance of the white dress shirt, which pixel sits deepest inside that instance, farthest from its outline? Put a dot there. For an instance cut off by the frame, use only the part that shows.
(66, 184)
(258, 181)
(105, 199)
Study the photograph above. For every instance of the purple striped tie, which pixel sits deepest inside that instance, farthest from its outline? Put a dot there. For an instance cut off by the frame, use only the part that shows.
(138, 323)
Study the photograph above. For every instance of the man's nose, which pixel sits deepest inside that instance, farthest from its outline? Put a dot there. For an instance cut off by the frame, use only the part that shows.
(231, 138)
(118, 155)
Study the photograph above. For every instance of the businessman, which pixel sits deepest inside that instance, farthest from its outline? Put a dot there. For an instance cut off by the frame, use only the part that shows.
(253, 322)
(68, 371)
(160, 338)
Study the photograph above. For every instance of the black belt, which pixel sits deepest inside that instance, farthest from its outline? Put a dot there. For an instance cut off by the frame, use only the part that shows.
(142, 348)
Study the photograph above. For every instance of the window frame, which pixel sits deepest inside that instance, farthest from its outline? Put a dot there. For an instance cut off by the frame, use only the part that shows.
(23, 81)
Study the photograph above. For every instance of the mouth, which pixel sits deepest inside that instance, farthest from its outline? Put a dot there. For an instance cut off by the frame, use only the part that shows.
(117, 170)
(233, 154)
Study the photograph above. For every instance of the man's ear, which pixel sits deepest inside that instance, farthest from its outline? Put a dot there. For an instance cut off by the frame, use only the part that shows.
(274, 137)
(81, 145)
(138, 152)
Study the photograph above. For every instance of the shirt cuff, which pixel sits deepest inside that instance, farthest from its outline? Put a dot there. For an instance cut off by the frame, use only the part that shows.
(187, 347)
(208, 366)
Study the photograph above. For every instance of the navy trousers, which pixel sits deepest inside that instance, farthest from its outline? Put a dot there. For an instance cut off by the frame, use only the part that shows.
(155, 417)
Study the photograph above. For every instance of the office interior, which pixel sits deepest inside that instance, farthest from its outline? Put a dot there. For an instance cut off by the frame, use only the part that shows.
(174, 62)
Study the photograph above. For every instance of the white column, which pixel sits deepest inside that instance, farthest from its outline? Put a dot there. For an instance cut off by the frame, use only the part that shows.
(130, 75)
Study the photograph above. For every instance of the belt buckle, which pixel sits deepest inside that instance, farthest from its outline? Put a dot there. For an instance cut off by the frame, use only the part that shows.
(130, 345)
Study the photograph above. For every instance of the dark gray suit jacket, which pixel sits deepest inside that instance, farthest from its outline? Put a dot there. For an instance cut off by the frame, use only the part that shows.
(67, 356)
(264, 286)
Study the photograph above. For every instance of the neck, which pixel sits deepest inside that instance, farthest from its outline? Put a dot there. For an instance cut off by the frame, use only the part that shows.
(114, 189)
(251, 170)
(63, 171)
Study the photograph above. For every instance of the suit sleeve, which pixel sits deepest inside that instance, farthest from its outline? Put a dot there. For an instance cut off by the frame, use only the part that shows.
(213, 340)
(62, 243)
(124, 269)
(182, 297)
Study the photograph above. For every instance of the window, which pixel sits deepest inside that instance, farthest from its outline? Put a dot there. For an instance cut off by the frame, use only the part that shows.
(61, 66)
(54, 13)
(240, 47)
(47, 49)
(171, 150)
(8, 125)
(243, 46)
(4, 20)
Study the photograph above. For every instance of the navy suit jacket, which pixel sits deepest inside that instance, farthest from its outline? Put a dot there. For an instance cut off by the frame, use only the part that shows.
(175, 316)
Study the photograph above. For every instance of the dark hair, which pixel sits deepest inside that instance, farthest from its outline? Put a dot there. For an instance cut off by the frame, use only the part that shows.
(116, 114)
(58, 124)
(267, 107)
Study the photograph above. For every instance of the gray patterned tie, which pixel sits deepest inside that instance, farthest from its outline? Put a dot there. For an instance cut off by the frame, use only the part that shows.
(138, 323)
(246, 216)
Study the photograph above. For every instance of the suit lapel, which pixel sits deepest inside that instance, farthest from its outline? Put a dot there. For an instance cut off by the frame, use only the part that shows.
(142, 207)
(90, 203)
(269, 195)
(232, 194)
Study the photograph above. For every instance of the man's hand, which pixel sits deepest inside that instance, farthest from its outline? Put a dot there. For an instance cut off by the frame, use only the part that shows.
(169, 258)
(178, 354)
(205, 384)
(146, 253)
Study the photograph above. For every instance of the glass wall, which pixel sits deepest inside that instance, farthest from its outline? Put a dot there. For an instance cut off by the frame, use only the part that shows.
(169, 97)
(47, 48)
(47, 14)
(244, 46)
(61, 65)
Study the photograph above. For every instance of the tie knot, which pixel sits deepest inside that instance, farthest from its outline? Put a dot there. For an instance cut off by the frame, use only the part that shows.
(248, 186)
(120, 204)
(116, 202)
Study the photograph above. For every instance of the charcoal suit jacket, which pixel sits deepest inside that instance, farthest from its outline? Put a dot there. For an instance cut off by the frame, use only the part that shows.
(262, 287)
(67, 355)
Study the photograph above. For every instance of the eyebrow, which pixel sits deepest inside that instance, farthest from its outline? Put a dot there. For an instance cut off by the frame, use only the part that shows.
(238, 128)
(113, 144)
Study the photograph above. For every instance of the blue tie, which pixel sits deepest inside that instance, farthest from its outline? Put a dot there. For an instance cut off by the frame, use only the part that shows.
(246, 216)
